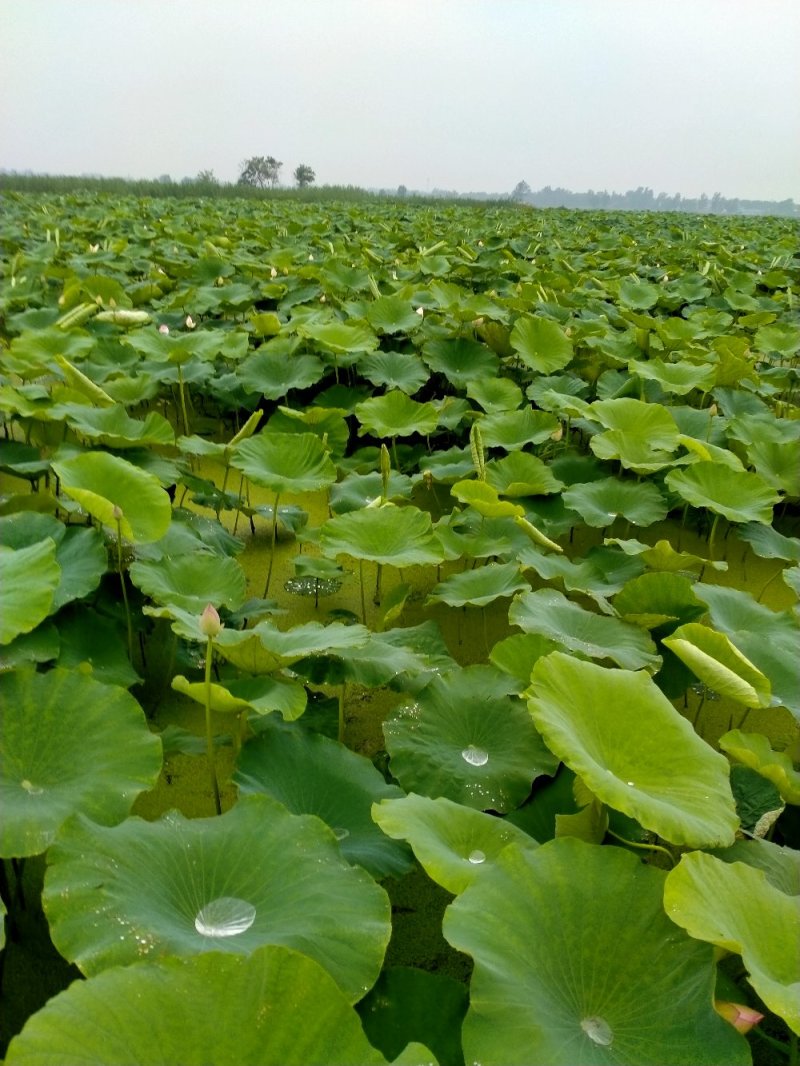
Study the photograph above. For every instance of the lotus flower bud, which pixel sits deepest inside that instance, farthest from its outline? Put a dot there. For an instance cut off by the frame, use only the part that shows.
(741, 1018)
(163, 328)
(190, 322)
(210, 624)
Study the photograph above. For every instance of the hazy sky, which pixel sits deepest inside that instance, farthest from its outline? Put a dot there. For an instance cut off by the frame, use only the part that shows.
(684, 96)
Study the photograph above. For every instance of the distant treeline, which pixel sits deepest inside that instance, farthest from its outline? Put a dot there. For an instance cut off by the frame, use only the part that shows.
(645, 199)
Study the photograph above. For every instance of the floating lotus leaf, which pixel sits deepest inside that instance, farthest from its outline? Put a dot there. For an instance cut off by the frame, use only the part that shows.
(568, 973)
(479, 587)
(642, 436)
(512, 430)
(192, 581)
(29, 578)
(395, 370)
(454, 844)
(738, 495)
(102, 484)
(272, 374)
(719, 664)
(600, 502)
(274, 1007)
(735, 907)
(397, 536)
(310, 774)
(460, 360)
(754, 750)
(522, 474)
(395, 415)
(630, 746)
(285, 462)
(552, 615)
(466, 739)
(541, 344)
(255, 875)
(393, 314)
(114, 426)
(69, 744)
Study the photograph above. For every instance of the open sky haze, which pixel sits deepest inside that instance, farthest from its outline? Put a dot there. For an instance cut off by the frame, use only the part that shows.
(684, 96)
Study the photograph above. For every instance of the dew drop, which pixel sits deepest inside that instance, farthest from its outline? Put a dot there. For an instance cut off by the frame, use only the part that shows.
(598, 1029)
(226, 916)
(477, 857)
(475, 756)
(340, 832)
(30, 788)
(629, 783)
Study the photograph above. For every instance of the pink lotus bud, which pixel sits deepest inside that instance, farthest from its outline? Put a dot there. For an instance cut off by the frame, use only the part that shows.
(116, 511)
(741, 1018)
(210, 624)
(163, 328)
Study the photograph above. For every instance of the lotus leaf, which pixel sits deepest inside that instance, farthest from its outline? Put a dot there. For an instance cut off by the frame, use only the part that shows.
(191, 581)
(395, 415)
(346, 340)
(397, 536)
(393, 314)
(600, 502)
(88, 642)
(272, 374)
(781, 865)
(541, 344)
(716, 661)
(479, 587)
(512, 430)
(29, 578)
(768, 543)
(285, 462)
(264, 648)
(495, 394)
(642, 436)
(677, 378)
(395, 370)
(516, 655)
(461, 360)
(754, 750)
(655, 599)
(114, 427)
(522, 474)
(738, 495)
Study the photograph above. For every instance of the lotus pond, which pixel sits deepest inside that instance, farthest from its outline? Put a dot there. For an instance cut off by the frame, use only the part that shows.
(399, 632)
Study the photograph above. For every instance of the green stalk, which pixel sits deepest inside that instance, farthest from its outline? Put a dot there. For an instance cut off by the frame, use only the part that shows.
(121, 572)
(182, 393)
(711, 536)
(643, 847)
(361, 582)
(378, 575)
(209, 735)
(272, 543)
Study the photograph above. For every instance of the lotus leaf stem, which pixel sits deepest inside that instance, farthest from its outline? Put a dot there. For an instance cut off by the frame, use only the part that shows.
(643, 847)
(182, 394)
(378, 576)
(361, 582)
(209, 735)
(272, 543)
(121, 573)
(711, 536)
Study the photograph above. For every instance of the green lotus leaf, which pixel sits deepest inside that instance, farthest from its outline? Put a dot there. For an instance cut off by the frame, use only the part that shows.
(600, 502)
(735, 907)
(29, 578)
(663, 557)
(768, 543)
(397, 536)
(516, 655)
(568, 973)
(221, 700)
(265, 648)
(311, 774)
(192, 581)
(479, 587)
(453, 843)
(601, 573)
(274, 1007)
(642, 436)
(512, 430)
(89, 643)
(395, 415)
(392, 314)
(103, 484)
(449, 465)
(716, 661)
(638, 294)
(41, 645)
(653, 599)
(522, 474)
(327, 423)
(485, 499)
(541, 344)
(343, 339)
(114, 426)
(675, 378)
(738, 495)
(360, 490)
(272, 374)
(395, 370)
(630, 746)
(495, 394)
(781, 865)
(285, 462)
(754, 750)
(552, 615)
(255, 875)
(466, 739)
(69, 744)
(460, 360)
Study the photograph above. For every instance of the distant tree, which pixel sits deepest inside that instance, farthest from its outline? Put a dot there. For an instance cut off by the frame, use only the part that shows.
(402, 191)
(522, 190)
(164, 179)
(304, 175)
(260, 171)
(207, 177)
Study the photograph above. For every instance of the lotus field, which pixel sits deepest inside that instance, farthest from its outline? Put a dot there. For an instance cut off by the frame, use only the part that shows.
(398, 635)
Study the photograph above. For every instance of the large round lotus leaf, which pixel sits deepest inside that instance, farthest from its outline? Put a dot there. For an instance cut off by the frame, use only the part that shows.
(552, 615)
(637, 293)
(311, 774)
(392, 314)
(479, 587)
(275, 1007)
(114, 426)
(512, 430)
(285, 462)
(460, 360)
(272, 374)
(327, 423)
(677, 378)
(454, 844)
(103, 484)
(360, 490)
(642, 436)
(396, 415)
(495, 394)
(754, 750)
(600, 502)
(515, 655)
(522, 474)
(467, 739)
(653, 599)
(347, 341)
(781, 865)
(719, 664)
(29, 578)
(254, 875)
(192, 581)
(264, 648)
(768, 543)
(734, 906)
(624, 738)
(69, 744)
(576, 964)
(738, 495)
(541, 344)
(395, 370)
(397, 536)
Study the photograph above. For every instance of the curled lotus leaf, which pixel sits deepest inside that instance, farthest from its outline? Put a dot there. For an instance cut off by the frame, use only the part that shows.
(738, 495)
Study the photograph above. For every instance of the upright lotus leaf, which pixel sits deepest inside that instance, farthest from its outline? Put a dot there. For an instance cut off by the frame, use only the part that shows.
(29, 578)
(397, 536)
(754, 750)
(642, 436)
(285, 462)
(601, 573)
(768, 543)
(639, 294)
(460, 360)
(659, 598)
(479, 587)
(735, 907)
(274, 1007)
(600, 502)
(89, 643)
(392, 314)
(738, 495)
(69, 744)
(272, 374)
(453, 843)
(485, 499)
(576, 964)
(114, 427)
(103, 484)
(495, 394)
(347, 341)
(633, 750)
(311, 774)
(466, 739)
(522, 474)
(396, 415)
(191, 581)
(781, 865)
(516, 655)
(512, 430)
(662, 556)
(716, 661)
(360, 490)
(327, 423)
(265, 648)
(541, 344)
(552, 615)
(395, 370)
(677, 378)
(252, 876)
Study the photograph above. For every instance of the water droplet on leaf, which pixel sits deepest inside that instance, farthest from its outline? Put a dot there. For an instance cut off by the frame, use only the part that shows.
(226, 916)
(475, 756)
(598, 1029)
(477, 857)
